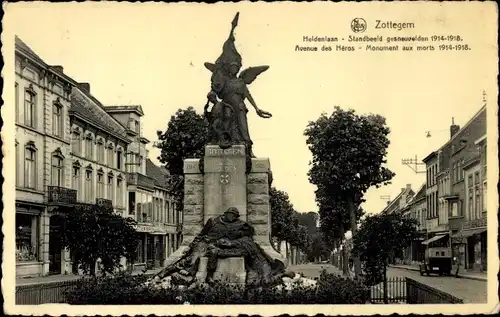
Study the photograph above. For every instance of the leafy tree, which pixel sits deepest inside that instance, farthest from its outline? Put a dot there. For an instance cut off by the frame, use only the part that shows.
(185, 137)
(318, 248)
(377, 240)
(349, 152)
(94, 233)
(281, 215)
(309, 220)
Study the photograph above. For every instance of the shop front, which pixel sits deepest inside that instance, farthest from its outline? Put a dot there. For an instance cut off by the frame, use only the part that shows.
(151, 249)
(29, 258)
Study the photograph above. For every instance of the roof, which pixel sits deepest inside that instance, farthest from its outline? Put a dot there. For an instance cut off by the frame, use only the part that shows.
(125, 108)
(420, 193)
(26, 50)
(20, 45)
(428, 157)
(159, 174)
(90, 109)
(397, 199)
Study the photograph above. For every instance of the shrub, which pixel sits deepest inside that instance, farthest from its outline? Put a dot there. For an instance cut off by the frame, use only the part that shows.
(130, 290)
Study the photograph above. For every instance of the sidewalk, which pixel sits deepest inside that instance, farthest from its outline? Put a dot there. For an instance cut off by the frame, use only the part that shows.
(64, 278)
(468, 275)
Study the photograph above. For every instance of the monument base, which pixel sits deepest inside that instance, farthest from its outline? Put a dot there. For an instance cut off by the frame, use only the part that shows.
(227, 178)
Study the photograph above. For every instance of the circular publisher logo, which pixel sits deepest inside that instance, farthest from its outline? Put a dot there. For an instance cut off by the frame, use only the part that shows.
(358, 25)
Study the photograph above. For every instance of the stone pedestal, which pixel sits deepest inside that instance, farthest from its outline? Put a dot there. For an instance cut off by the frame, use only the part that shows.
(223, 184)
(225, 180)
(231, 270)
(258, 208)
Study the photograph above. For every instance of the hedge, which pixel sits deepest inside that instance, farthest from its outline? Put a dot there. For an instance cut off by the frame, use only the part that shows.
(125, 289)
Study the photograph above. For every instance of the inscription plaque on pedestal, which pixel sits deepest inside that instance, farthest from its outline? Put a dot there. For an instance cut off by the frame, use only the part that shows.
(225, 180)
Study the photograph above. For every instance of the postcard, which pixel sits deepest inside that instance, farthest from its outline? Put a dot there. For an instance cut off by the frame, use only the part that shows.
(250, 158)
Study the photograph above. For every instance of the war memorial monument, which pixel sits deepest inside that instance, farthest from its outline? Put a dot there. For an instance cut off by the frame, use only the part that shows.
(227, 219)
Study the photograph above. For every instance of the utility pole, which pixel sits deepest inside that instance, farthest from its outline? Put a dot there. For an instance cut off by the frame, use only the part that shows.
(414, 164)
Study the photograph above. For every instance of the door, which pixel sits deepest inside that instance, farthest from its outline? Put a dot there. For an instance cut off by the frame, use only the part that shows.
(55, 249)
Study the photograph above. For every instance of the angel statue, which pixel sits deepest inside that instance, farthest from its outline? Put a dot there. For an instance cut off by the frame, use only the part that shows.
(228, 118)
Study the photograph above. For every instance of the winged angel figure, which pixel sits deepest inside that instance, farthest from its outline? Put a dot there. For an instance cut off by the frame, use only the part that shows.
(228, 118)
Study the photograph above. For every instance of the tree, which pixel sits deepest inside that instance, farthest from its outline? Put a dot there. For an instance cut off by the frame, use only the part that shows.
(281, 215)
(94, 233)
(349, 152)
(379, 237)
(185, 137)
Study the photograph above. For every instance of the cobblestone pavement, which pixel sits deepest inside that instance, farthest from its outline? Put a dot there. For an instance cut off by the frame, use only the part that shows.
(470, 291)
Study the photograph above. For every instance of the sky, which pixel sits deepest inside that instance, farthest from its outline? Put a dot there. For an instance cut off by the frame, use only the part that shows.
(153, 54)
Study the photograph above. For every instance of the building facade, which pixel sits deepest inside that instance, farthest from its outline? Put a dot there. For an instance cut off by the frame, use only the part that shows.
(42, 103)
(71, 150)
(149, 203)
(456, 181)
(416, 209)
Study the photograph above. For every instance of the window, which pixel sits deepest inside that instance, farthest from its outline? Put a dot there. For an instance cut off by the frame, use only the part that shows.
(484, 200)
(119, 159)
(17, 165)
(131, 202)
(89, 188)
(470, 204)
(462, 172)
(57, 120)
(136, 126)
(75, 180)
(29, 108)
(111, 192)
(100, 184)
(17, 101)
(100, 151)
(478, 207)
(76, 143)
(89, 153)
(110, 156)
(454, 209)
(459, 171)
(30, 167)
(57, 171)
(119, 191)
(26, 237)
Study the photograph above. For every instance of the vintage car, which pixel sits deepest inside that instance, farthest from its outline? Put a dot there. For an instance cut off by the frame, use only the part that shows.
(437, 260)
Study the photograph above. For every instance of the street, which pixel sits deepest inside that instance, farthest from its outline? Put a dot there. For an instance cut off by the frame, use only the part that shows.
(470, 291)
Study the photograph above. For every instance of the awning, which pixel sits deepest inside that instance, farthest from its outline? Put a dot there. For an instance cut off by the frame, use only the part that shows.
(435, 238)
(469, 233)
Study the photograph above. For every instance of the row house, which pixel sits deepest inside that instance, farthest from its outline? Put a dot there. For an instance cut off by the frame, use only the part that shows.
(456, 184)
(416, 208)
(42, 139)
(144, 194)
(400, 201)
(72, 150)
(397, 206)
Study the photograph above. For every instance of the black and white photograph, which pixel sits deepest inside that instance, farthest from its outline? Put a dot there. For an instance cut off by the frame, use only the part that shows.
(250, 158)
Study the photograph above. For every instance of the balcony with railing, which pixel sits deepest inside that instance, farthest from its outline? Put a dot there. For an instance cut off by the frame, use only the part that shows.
(140, 180)
(61, 196)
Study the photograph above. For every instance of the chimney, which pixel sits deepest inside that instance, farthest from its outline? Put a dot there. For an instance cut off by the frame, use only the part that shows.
(84, 86)
(408, 186)
(453, 128)
(58, 68)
